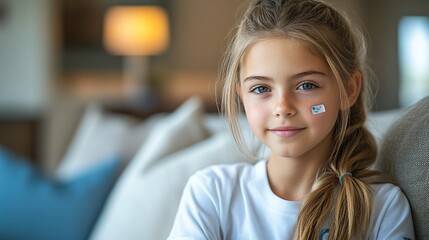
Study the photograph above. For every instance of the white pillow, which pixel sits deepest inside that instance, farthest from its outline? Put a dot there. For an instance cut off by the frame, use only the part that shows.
(182, 128)
(148, 203)
(378, 122)
(177, 131)
(100, 136)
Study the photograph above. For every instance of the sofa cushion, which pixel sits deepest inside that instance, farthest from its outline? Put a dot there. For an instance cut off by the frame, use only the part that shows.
(101, 134)
(150, 201)
(179, 130)
(379, 122)
(404, 153)
(33, 206)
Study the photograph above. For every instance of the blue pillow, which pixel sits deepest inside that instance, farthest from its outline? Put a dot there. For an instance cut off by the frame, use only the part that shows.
(33, 206)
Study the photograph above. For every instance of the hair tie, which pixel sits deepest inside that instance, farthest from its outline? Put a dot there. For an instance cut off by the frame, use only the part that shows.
(344, 175)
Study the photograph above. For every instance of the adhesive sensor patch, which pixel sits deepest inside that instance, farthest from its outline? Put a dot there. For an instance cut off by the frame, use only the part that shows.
(317, 109)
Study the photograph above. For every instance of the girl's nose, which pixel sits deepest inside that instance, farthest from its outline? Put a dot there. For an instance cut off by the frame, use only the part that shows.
(284, 107)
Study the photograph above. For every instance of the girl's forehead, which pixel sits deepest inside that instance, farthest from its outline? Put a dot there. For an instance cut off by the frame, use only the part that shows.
(298, 43)
(290, 51)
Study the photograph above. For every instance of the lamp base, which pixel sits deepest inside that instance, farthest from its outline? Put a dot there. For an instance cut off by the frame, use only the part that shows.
(138, 94)
(135, 79)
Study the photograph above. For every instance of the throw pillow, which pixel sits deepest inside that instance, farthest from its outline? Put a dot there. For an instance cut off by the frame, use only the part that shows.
(102, 134)
(33, 206)
(179, 130)
(404, 154)
(379, 122)
(98, 136)
(150, 201)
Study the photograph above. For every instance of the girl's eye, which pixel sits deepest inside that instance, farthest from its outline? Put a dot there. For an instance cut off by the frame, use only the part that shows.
(260, 90)
(307, 86)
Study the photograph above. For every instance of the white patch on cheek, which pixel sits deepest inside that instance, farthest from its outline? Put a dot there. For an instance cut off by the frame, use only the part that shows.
(317, 109)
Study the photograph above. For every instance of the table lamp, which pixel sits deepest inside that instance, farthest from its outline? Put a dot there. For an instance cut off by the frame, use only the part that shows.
(136, 32)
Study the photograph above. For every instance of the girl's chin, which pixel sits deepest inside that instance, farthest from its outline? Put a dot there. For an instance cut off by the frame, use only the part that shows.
(285, 155)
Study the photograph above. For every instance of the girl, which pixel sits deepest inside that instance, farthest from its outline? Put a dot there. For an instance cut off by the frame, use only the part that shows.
(297, 68)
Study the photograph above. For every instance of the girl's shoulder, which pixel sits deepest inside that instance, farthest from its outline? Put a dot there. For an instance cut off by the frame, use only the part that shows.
(388, 196)
(384, 191)
(391, 213)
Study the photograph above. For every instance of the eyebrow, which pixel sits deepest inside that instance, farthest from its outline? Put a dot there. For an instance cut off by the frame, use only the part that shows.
(295, 76)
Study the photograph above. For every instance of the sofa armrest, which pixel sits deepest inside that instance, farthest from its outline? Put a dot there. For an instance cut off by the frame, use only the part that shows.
(404, 154)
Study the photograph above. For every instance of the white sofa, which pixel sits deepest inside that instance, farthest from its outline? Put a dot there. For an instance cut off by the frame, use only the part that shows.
(157, 156)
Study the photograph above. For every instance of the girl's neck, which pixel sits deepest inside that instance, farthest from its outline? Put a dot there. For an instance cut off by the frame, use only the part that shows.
(292, 179)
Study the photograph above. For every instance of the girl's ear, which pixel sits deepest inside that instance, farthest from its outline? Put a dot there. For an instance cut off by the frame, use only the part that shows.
(354, 87)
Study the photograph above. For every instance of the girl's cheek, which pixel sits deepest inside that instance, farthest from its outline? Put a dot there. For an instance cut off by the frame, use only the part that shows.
(317, 109)
(255, 117)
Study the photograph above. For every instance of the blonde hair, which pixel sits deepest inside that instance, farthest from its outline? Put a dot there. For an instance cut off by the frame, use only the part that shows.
(325, 32)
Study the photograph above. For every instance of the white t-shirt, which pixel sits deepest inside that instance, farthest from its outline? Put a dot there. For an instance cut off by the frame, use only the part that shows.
(236, 202)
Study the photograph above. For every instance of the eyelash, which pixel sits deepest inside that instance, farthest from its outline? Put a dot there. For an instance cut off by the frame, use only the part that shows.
(258, 88)
(312, 85)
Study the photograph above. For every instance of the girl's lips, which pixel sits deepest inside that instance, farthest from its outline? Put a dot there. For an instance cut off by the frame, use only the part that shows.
(286, 132)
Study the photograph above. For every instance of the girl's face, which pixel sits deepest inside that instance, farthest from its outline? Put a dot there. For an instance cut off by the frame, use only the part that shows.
(280, 81)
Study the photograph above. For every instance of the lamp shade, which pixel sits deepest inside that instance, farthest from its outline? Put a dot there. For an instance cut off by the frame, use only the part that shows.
(136, 30)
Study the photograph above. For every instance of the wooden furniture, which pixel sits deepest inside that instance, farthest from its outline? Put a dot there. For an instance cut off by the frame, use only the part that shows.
(21, 135)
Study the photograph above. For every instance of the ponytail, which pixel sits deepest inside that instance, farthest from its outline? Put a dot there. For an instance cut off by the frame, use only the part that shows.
(341, 198)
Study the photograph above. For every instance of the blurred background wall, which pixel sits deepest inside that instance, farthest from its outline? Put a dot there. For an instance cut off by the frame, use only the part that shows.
(25, 60)
(53, 61)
